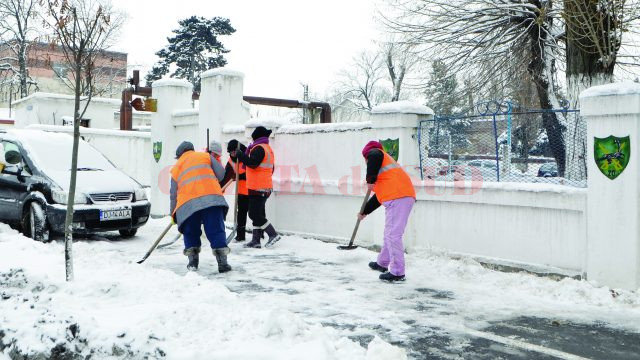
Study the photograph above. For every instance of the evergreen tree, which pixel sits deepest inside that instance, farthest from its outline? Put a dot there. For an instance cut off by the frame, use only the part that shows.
(442, 96)
(193, 49)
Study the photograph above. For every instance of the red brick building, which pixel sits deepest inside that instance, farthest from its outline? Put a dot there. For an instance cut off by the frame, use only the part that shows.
(48, 67)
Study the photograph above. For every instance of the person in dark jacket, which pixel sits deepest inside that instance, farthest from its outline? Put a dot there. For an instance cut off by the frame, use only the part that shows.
(196, 200)
(243, 192)
(394, 190)
(259, 162)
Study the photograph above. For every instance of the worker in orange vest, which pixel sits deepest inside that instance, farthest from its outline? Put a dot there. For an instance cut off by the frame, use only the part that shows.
(196, 201)
(394, 190)
(259, 162)
(243, 191)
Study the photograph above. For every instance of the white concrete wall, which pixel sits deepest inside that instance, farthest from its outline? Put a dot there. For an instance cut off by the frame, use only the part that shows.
(130, 151)
(320, 172)
(613, 205)
(48, 109)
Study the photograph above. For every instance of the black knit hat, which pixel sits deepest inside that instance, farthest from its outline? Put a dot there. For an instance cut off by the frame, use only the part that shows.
(259, 132)
(183, 148)
(233, 145)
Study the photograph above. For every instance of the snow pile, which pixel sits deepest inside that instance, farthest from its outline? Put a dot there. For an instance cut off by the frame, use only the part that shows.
(232, 129)
(117, 308)
(404, 107)
(621, 88)
(270, 122)
(332, 127)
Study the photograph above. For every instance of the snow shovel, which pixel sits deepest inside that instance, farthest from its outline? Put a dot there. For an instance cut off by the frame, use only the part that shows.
(175, 239)
(355, 230)
(235, 207)
(153, 247)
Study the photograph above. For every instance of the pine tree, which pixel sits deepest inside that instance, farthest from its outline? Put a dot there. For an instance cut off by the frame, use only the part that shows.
(443, 97)
(193, 49)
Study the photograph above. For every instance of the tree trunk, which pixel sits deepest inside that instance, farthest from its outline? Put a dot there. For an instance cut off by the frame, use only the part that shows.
(541, 71)
(68, 223)
(22, 64)
(584, 70)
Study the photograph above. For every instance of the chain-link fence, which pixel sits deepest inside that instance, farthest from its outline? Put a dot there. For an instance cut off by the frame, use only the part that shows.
(505, 143)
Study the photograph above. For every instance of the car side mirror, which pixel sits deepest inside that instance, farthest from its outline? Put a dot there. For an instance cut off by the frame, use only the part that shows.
(13, 157)
(13, 170)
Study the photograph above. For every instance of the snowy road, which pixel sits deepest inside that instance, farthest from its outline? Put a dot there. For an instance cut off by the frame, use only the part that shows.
(447, 309)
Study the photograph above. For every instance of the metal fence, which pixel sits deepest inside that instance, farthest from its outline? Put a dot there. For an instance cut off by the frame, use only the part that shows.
(504, 142)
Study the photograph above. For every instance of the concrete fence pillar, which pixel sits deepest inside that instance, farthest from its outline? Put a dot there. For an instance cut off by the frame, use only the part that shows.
(399, 121)
(221, 102)
(172, 94)
(612, 113)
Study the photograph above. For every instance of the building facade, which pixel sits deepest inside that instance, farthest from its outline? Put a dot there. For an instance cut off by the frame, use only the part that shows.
(48, 68)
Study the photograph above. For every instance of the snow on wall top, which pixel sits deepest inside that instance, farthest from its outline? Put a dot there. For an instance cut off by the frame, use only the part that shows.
(621, 88)
(403, 107)
(171, 82)
(187, 112)
(223, 72)
(332, 127)
(44, 95)
(233, 129)
(90, 131)
(270, 122)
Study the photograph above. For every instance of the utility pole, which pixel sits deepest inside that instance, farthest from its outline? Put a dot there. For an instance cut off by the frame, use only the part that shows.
(305, 111)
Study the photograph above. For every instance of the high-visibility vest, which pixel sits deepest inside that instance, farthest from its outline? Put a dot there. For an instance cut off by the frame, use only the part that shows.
(242, 184)
(260, 177)
(393, 182)
(195, 177)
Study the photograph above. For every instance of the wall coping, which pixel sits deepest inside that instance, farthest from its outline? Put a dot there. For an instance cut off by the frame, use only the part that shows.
(221, 72)
(171, 82)
(53, 96)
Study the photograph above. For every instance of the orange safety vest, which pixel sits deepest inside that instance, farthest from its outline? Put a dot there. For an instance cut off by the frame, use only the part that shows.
(393, 182)
(195, 177)
(242, 184)
(260, 177)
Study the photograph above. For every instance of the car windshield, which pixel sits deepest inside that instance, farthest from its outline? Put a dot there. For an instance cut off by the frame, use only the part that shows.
(52, 151)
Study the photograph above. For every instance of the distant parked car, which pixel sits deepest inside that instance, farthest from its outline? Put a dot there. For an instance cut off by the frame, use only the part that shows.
(548, 170)
(34, 187)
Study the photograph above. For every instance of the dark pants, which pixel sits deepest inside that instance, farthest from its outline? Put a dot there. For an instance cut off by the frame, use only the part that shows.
(243, 209)
(213, 220)
(257, 202)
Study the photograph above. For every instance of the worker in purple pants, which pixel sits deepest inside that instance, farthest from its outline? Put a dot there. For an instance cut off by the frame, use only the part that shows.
(394, 190)
(396, 215)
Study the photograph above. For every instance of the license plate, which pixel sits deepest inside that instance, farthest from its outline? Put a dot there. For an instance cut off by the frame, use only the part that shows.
(115, 214)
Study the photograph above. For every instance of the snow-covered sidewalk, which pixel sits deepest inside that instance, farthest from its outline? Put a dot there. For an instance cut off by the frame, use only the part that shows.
(302, 299)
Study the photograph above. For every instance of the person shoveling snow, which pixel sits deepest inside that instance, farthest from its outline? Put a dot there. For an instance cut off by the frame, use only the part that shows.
(196, 200)
(394, 190)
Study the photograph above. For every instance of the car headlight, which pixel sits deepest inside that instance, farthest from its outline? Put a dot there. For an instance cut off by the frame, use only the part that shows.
(62, 197)
(141, 194)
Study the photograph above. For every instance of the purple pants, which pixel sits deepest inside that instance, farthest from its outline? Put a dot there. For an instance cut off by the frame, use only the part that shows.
(396, 215)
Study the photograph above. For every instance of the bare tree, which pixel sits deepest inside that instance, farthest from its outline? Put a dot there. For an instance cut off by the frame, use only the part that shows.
(399, 61)
(363, 80)
(482, 37)
(593, 38)
(83, 28)
(18, 29)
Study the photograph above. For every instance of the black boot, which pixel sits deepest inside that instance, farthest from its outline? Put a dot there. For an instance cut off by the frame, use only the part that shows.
(255, 240)
(194, 258)
(374, 266)
(274, 237)
(240, 234)
(390, 277)
(221, 258)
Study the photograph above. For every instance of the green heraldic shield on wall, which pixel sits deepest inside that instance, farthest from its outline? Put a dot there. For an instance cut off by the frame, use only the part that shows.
(612, 155)
(157, 150)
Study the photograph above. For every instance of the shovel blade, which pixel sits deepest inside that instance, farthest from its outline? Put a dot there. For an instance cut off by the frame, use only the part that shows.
(347, 247)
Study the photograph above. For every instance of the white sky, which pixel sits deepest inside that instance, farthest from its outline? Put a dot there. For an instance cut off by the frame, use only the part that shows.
(277, 44)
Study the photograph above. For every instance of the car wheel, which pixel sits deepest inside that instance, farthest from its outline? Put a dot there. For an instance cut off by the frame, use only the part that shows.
(38, 229)
(128, 233)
